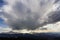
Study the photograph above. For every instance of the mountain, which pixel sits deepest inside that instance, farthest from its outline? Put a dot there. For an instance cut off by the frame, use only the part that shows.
(26, 36)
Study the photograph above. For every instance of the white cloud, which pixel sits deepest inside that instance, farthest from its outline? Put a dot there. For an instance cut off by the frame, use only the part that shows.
(4, 30)
(50, 28)
(54, 27)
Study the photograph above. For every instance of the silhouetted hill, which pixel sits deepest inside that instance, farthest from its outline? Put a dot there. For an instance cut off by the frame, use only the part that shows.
(35, 36)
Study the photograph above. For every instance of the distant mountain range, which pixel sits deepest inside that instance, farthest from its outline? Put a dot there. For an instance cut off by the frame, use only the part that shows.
(36, 36)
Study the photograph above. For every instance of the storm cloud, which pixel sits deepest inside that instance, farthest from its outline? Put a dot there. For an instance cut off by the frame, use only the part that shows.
(30, 14)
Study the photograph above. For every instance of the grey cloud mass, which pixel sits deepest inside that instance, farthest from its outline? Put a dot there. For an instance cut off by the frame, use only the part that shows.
(30, 14)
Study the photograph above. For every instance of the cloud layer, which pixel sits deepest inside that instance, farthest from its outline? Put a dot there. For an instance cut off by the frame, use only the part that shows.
(30, 14)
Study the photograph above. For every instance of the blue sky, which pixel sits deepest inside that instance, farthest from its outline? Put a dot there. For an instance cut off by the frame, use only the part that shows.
(1, 2)
(2, 24)
(1, 20)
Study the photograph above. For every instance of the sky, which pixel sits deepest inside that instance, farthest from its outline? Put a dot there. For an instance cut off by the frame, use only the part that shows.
(29, 16)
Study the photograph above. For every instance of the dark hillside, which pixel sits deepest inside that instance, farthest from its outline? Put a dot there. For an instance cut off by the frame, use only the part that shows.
(36, 36)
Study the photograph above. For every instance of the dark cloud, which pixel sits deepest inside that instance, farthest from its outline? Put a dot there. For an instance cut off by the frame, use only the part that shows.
(55, 17)
(29, 19)
(24, 16)
(56, 1)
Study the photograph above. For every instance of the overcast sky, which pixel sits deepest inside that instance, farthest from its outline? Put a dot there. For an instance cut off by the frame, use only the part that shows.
(33, 15)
